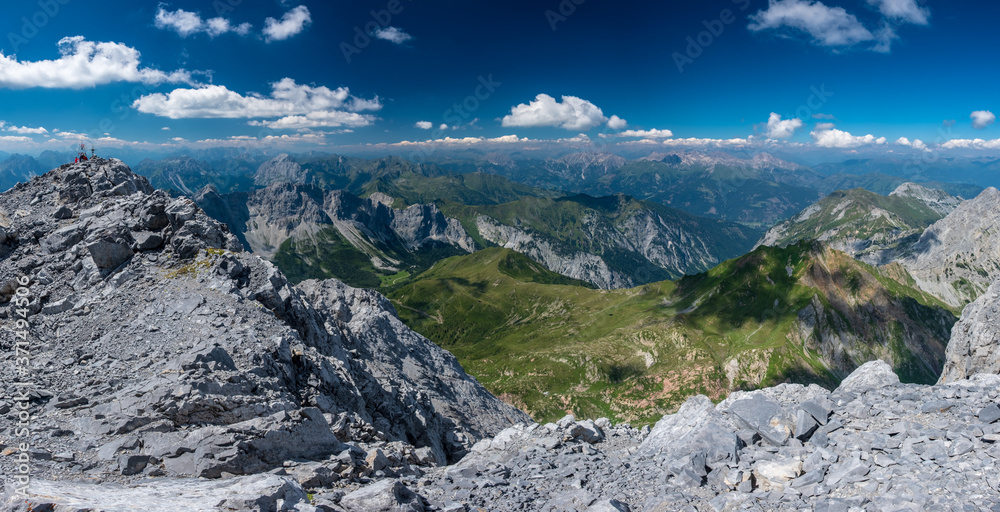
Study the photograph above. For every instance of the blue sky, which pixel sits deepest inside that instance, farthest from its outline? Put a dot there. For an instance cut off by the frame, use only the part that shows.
(880, 75)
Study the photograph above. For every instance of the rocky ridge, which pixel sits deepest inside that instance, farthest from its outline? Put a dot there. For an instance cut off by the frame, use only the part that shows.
(873, 228)
(280, 169)
(265, 218)
(938, 200)
(159, 349)
(611, 242)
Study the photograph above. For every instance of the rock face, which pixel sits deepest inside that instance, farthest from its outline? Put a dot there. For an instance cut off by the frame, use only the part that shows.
(265, 218)
(975, 339)
(576, 264)
(280, 169)
(612, 242)
(958, 257)
(158, 348)
(939, 200)
(873, 228)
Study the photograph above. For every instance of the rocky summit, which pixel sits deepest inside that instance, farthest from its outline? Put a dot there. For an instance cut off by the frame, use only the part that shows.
(155, 349)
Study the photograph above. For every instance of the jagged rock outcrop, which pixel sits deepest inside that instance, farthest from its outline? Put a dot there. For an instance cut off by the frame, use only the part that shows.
(871, 444)
(158, 348)
(958, 257)
(576, 264)
(265, 218)
(975, 339)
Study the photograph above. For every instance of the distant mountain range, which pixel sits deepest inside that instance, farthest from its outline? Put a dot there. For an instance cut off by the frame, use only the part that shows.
(313, 232)
(759, 190)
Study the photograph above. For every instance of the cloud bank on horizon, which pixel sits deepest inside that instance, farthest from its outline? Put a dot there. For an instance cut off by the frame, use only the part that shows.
(190, 73)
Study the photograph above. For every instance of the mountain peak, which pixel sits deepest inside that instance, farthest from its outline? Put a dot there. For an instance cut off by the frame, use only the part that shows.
(189, 358)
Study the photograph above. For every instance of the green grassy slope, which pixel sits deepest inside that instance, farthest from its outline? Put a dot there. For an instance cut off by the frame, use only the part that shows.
(633, 355)
(329, 255)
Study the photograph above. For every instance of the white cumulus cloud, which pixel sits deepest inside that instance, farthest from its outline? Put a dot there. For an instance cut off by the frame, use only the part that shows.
(904, 10)
(218, 26)
(571, 113)
(84, 64)
(424, 125)
(297, 106)
(318, 119)
(617, 123)
(971, 144)
(24, 130)
(982, 118)
(696, 142)
(393, 34)
(778, 128)
(186, 23)
(915, 144)
(828, 26)
(291, 24)
(834, 26)
(834, 138)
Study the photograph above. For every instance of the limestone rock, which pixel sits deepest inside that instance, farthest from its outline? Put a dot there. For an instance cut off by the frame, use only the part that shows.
(871, 375)
(975, 339)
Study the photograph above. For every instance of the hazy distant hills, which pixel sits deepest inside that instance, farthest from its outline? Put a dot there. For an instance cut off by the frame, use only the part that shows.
(758, 190)
(982, 171)
(803, 313)
(186, 175)
(15, 169)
